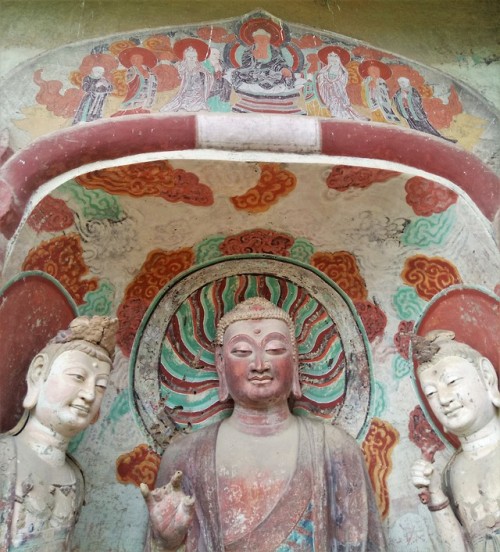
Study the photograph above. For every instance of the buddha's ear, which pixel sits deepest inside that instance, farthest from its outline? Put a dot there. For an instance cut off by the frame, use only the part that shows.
(35, 378)
(491, 380)
(221, 372)
(296, 389)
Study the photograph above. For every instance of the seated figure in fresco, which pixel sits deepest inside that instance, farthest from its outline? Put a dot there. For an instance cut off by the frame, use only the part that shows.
(263, 479)
(41, 487)
(263, 67)
(462, 389)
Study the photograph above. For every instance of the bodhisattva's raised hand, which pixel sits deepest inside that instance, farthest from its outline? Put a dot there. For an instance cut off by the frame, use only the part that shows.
(170, 511)
(425, 477)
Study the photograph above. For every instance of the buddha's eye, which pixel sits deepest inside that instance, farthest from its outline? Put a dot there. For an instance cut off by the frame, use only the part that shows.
(241, 352)
(276, 351)
(77, 377)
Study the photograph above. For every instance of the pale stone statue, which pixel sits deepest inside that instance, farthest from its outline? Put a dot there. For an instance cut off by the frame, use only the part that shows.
(461, 387)
(41, 487)
(263, 479)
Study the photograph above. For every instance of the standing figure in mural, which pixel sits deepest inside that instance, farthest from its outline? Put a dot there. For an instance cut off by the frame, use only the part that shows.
(461, 387)
(262, 479)
(331, 83)
(409, 105)
(141, 81)
(41, 487)
(196, 80)
(97, 88)
(375, 91)
(263, 66)
(220, 93)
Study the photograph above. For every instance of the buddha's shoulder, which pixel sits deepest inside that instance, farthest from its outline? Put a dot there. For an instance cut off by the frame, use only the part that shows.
(335, 437)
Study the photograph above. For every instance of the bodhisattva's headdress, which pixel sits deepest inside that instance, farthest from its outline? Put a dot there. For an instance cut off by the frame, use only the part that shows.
(255, 308)
(95, 335)
(439, 344)
(97, 330)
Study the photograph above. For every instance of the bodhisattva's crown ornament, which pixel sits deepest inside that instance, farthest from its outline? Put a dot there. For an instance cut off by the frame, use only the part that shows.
(98, 330)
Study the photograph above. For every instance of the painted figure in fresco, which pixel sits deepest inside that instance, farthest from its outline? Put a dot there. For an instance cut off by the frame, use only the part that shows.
(263, 67)
(41, 487)
(220, 93)
(97, 88)
(375, 91)
(331, 83)
(461, 387)
(196, 84)
(142, 82)
(262, 479)
(409, 105)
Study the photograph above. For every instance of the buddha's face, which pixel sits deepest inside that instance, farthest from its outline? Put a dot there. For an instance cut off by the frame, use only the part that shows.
(457, 395)
(261, 38)
(70, 397)
(258, 362)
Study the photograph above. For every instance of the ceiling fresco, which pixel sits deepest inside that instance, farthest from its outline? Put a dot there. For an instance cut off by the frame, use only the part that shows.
(164, 175)
(252, 64)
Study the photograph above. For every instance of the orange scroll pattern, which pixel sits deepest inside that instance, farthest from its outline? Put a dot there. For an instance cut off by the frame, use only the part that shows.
(377, 448)
(51, 215)
(158, 269)
(344, 177)
(343, 269)
(426, 197)
(138, 466)
(429, 275)
(258, 241)
(62, 258)
(157, 178)
(274, 183)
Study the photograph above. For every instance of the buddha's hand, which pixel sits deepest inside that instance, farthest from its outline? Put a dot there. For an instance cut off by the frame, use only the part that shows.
(426, 478)
(170, 511)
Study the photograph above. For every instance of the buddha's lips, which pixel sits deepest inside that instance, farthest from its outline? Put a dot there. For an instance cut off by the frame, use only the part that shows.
(261, 378)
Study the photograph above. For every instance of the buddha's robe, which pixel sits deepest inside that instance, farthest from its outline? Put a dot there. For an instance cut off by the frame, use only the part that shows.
(328, 504)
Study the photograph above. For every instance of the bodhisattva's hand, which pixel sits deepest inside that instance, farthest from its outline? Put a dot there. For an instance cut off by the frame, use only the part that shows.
(426, 478)
(170, 511)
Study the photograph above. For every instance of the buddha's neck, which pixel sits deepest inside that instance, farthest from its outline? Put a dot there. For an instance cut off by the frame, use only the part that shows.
(269, 421)
(49, 445)
(483, 441)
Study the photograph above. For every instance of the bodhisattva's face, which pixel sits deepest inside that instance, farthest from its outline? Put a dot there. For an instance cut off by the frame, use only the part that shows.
(457, 395)
(136, 60)
(258, 362)
(333, 60)
(71, 396)
(373, 71)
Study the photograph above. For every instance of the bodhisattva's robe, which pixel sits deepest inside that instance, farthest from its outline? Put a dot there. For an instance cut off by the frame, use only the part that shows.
(328, 505)
(51, 534)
